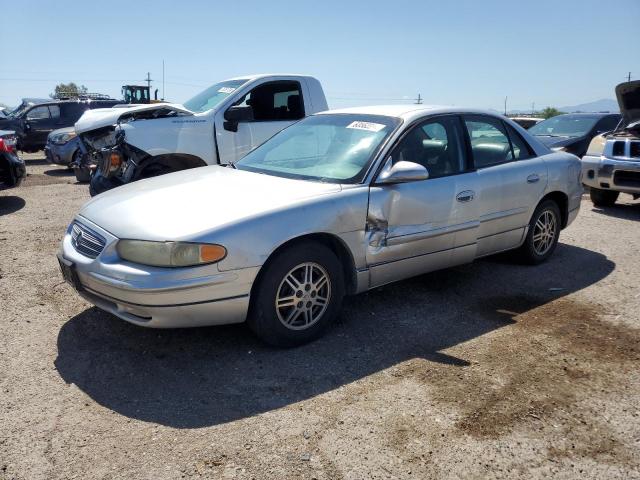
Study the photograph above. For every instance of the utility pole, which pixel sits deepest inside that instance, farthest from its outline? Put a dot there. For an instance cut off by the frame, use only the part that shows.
(419, 100)
(163, 79)
(533, 108)
(148, 80)
(505, 105)
(629, 77)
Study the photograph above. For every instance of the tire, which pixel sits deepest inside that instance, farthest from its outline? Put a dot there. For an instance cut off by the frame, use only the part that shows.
(302, 317)
(83, 174)
(603, 198)
(537, 250)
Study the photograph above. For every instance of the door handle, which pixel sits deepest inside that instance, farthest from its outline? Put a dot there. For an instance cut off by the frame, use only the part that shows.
(533, 178)
(466, 196)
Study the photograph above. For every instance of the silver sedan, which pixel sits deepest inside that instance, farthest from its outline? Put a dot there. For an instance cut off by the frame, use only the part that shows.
(337, 204)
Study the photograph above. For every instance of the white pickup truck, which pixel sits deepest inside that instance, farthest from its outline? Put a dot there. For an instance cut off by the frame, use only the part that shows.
(218, 126)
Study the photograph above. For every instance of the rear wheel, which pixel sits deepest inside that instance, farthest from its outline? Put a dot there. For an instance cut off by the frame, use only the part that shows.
(603, 198)
(297, 296)
(542, 236)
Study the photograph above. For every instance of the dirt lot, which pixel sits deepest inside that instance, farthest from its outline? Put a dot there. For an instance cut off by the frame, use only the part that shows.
(490, 370)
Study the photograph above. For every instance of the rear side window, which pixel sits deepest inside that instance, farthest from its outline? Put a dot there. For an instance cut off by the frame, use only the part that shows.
(521, 149)
(275, 101)
(54, 110)
(489, 142)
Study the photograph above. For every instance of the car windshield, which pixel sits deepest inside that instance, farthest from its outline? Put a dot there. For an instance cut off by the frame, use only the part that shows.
(212, 96)
(565, 126)
(335, 148)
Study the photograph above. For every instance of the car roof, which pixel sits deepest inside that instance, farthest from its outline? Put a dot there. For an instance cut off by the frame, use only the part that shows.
(409, 112)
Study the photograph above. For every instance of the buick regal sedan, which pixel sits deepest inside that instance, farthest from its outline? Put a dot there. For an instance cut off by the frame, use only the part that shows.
(338, 203)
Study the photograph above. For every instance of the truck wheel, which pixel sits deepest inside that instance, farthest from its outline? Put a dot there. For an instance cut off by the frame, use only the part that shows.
(297, 296)
(603, 198)
(542, 236)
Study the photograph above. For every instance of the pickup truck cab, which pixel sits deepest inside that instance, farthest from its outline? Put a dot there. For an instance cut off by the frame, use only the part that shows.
(218, 126)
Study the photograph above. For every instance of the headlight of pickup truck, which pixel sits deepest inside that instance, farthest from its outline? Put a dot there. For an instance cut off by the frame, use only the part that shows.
(170, 254)
(559, 149)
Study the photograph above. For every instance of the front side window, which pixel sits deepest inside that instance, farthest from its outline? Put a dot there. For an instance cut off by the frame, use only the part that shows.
(275, 101)
(213, 95)
(335, 148)
(38, 113)
(489, 142)
(436, 145)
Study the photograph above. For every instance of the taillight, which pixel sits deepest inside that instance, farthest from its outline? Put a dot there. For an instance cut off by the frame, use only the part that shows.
(7, 144)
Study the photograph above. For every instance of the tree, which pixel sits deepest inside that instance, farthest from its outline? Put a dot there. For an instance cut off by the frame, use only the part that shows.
(550, 112)
(68, 90)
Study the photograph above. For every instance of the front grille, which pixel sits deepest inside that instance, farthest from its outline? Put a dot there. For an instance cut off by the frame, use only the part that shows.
(618, 149)
(624, 178)
(634, 149)
(86, 241)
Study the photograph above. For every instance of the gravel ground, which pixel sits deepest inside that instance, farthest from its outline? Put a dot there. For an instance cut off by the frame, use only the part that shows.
(489, 370)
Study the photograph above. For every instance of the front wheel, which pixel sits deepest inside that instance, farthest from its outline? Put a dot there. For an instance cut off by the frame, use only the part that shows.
(297, 296)
(542, 236)
(603, 198)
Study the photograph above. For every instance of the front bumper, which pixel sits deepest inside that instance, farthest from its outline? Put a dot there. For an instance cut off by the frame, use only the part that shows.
(159, 297)
(611, 174)
(61, 154)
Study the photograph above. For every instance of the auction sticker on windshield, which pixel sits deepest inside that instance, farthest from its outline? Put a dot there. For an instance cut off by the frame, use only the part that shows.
(226, 90)
(370, 126)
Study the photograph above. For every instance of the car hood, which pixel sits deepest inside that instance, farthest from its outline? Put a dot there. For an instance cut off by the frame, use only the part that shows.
(628, 95)
(553, 142)
(186, 204)
(104, 117)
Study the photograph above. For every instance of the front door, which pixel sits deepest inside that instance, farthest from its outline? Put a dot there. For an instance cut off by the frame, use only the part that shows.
(416, 227)
(39, 122)
(275, 106)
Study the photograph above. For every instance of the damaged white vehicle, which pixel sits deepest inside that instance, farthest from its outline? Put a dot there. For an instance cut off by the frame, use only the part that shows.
(612, 162)
(218, 126)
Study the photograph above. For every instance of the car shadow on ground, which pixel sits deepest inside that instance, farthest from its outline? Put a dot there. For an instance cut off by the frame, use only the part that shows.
(190, 378)
(11, 204)
(59, 172)
(623, 211)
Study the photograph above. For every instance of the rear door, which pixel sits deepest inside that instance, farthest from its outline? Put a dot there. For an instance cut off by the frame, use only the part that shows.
(425, 225)
(275, 105)
(513, 180)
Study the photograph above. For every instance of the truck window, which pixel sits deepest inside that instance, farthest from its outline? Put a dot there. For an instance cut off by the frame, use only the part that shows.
(54, 110)
(276, 101)
(38, 113)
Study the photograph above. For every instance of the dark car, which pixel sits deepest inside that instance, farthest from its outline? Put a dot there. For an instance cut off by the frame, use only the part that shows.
(34, 122)
(12, 169)
(573, 132)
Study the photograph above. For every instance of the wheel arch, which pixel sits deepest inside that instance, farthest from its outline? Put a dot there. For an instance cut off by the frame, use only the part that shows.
(331, 241)
(562, 200)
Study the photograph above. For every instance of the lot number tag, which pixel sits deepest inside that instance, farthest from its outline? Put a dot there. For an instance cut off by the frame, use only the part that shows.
(226, 90)
(370, 126)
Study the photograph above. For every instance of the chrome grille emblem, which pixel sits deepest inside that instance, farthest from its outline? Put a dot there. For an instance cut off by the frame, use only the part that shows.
(86, 241)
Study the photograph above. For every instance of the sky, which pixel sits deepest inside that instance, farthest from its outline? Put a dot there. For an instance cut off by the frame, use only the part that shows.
(451, 52)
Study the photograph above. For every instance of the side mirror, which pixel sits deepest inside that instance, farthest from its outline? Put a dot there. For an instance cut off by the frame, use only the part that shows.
(235, 115)
(402, 172)
(26, 125)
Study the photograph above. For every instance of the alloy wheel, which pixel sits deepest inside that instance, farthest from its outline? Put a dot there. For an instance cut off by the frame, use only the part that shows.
(544, 232)
(303, 296)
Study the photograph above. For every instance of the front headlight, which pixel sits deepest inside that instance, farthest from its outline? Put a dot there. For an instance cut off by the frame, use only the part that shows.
(559, 149)
(170, 254)
(62, 138)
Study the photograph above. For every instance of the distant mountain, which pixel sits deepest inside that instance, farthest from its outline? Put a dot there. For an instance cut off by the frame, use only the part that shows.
(604, 105)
